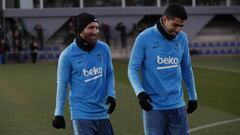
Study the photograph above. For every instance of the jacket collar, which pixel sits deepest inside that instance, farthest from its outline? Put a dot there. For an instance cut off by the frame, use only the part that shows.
(83, 44)
(163, 30)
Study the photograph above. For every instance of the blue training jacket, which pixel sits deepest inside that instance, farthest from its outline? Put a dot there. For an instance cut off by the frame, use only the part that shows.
(163, 65)
(91, 79)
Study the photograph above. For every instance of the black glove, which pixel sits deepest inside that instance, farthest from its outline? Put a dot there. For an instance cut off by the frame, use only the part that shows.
(58, 122)
(112, 102)
(192, 106)
(144, 100)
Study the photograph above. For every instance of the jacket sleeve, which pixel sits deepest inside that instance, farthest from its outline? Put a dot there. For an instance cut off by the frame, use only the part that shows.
(135, 63)
(110, 75)
(187, 72)
(63, 75)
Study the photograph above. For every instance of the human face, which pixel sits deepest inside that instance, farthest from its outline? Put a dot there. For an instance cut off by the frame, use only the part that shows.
(174, 25)
(90, 33)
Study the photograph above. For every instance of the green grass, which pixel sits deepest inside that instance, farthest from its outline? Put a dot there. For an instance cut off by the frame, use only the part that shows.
(226, 63)
(27, 99)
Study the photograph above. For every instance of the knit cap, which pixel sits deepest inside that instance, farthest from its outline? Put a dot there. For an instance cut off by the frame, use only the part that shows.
(84, 19)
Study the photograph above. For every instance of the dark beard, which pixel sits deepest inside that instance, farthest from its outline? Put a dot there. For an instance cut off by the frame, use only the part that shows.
(89, 40)
(85, 45)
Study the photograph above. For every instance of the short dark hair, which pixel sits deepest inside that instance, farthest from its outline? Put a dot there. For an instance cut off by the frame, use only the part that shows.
(176, 10)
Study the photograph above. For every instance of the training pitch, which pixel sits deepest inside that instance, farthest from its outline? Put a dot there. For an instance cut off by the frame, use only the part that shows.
(27, 99)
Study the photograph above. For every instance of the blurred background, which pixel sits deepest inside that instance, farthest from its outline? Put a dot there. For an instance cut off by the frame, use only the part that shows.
(213, 26)
(36, 31)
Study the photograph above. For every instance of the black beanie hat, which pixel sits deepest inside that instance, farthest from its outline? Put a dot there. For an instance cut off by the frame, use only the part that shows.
(84, 19)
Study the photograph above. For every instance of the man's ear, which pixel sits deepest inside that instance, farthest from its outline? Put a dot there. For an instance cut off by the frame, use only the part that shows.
(80, 34)
(164, 18)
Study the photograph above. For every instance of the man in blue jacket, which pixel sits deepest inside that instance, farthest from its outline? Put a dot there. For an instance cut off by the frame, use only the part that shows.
(86, 65)
(161, 54)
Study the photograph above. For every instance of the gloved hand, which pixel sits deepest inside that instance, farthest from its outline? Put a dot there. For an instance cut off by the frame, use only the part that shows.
(192, 106)
(144, 100)
(112, 104)
(58, 122)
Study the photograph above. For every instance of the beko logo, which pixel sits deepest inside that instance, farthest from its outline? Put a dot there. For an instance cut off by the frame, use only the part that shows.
(93, 71)
(171, 62)
(92, 74)
(167, 60)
